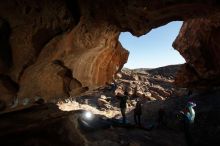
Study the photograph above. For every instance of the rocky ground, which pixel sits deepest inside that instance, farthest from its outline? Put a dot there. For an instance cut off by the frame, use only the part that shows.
(152, 84)
(156, 90)
(147, 84)
(47, 125)
(65, 122)
(153, 87)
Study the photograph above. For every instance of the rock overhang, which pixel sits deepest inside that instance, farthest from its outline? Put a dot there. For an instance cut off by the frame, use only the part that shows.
(83, 35)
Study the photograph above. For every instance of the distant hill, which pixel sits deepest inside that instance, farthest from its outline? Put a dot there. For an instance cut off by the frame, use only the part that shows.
(166, 71)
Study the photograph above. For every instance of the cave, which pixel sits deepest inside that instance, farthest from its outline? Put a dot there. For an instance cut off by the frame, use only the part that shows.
(55, 49)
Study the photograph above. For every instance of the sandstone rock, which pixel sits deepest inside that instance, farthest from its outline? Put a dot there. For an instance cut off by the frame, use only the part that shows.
(141, 87)
(102, 101)
(140, 93)
(103, 97)
(156, 95)
(138, 87)
(46, 40)
(130, 91)
(160, 90)
(126, 76)
(135, 77)
(84, 35)
(147, 94)
(199, 70)
(151, 98)
(133, 102)
(119, 91)
(119, 75)
(147, 83)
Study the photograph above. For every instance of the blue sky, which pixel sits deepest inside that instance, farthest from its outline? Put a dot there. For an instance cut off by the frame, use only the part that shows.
(153, 49)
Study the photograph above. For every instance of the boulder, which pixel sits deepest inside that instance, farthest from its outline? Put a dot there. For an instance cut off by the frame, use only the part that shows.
(102, 102)
(147, 94)
(103, 97)
(156, 95)
(160, 91)
(119, 91)
(118, 75)
(140, 93)
(135, 77)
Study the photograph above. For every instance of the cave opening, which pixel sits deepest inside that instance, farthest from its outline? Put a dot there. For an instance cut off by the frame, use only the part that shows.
(153, 49)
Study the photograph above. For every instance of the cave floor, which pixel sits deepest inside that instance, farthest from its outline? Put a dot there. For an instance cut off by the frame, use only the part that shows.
(139, 137)
(47, 125)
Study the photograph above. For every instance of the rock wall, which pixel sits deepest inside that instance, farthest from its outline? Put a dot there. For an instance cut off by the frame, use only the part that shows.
(49, 51)
(86, 55)
(56, 48)
(198, 43)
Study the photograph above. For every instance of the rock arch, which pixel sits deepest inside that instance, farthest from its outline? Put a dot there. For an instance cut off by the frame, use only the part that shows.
(87, 42)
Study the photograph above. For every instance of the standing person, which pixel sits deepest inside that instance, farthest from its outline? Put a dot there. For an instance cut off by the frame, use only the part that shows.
(188, 119)
(138, 112)
(161, 117)
(123, 102)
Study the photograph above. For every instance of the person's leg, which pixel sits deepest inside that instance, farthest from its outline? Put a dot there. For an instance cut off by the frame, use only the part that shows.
(135, 118)
(139, 120)
(123, 115)
(188, 134)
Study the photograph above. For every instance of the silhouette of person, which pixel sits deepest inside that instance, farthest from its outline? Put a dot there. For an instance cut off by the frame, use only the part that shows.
(123, 101)
(138, 112)
(161, 117)
(188, 119)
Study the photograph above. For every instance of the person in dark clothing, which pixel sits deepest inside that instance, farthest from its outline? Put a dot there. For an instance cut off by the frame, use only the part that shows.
(186, 129)
(161, 117)
(113, 86)
(123, 102)
(188, 116)
(138, 112)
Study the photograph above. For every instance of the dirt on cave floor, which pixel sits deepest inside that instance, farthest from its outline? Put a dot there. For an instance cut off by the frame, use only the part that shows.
(48, 125)
(149, 134)
(205, 130)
